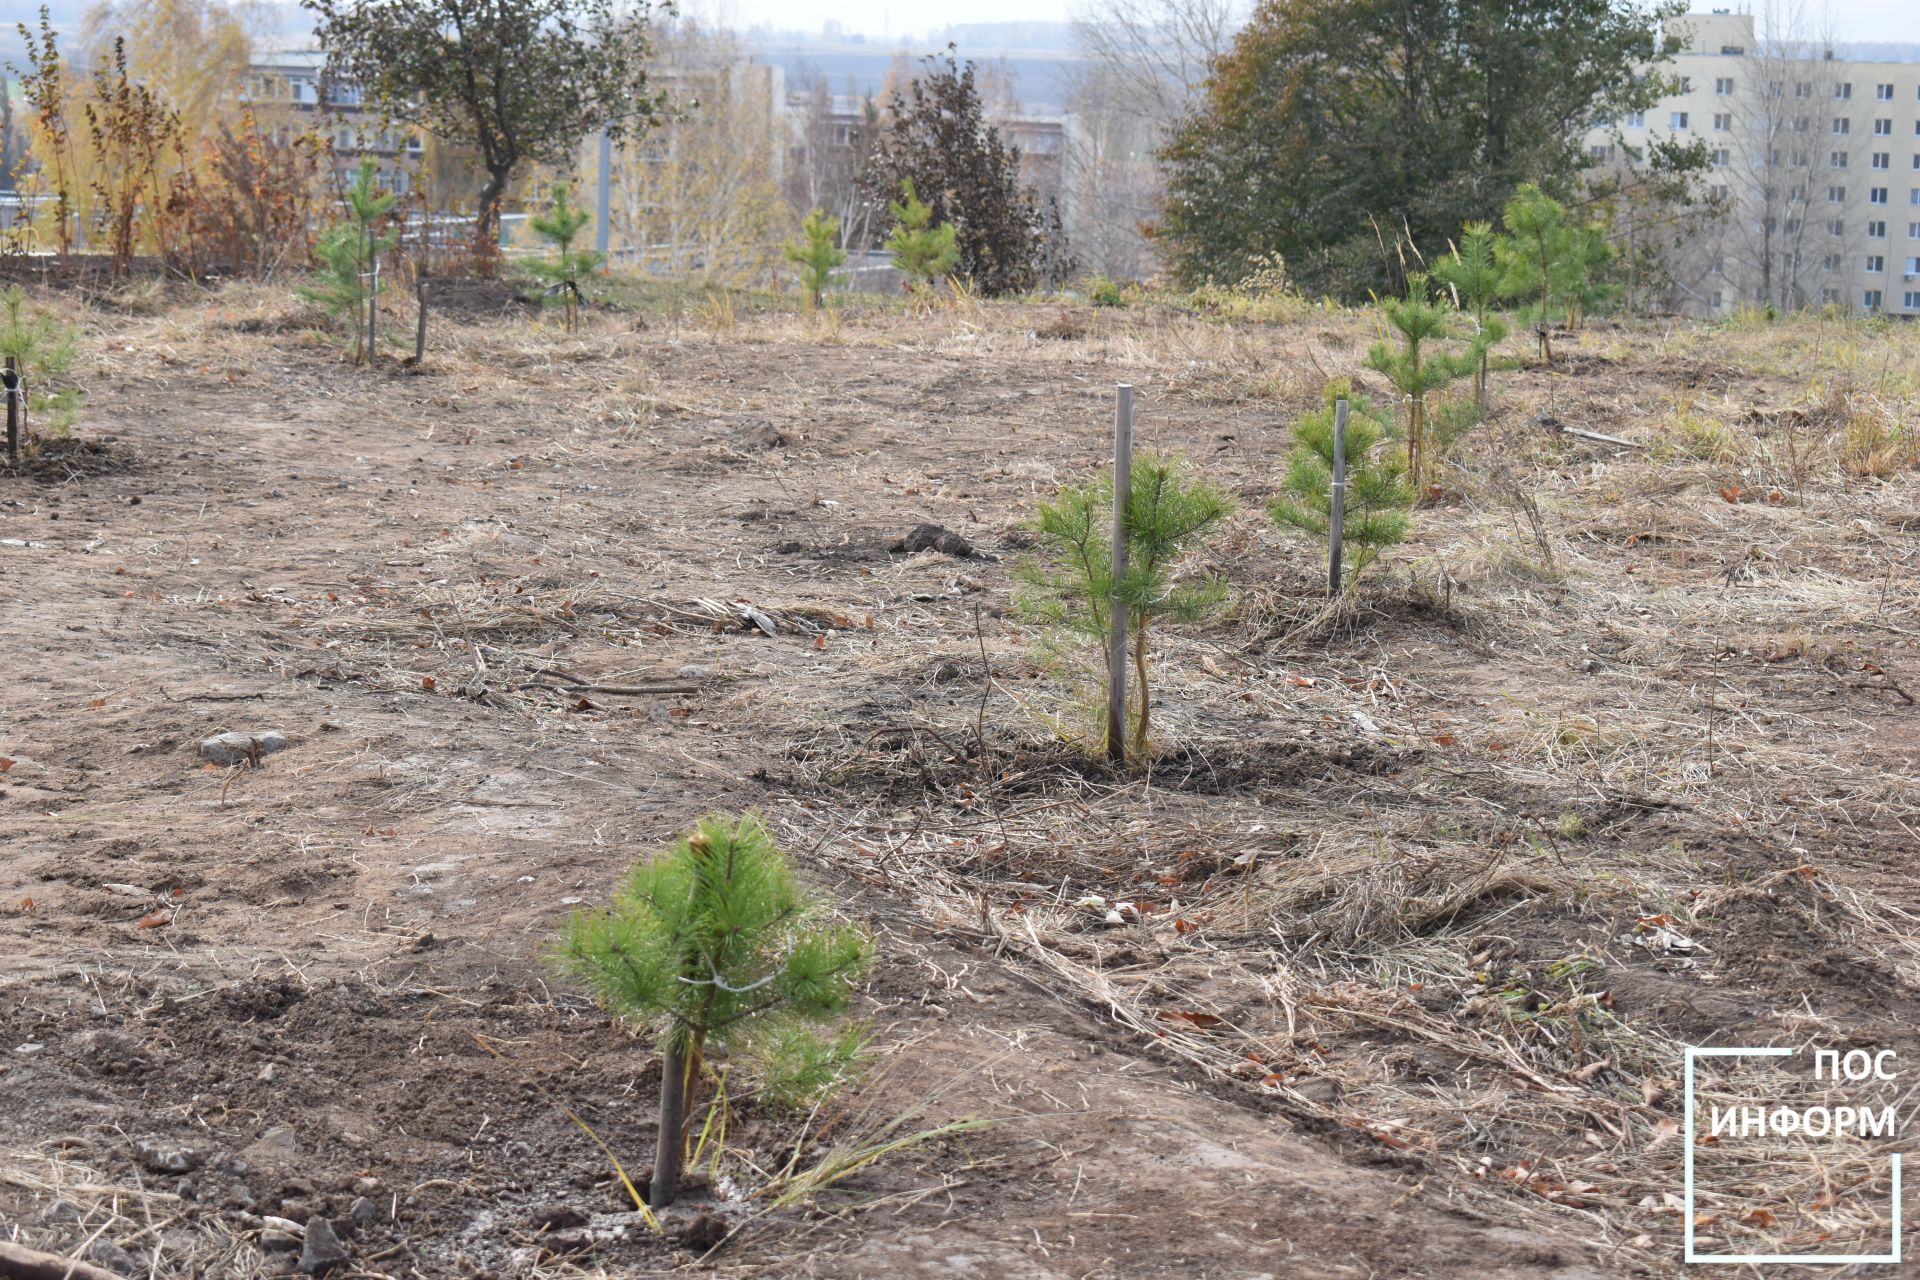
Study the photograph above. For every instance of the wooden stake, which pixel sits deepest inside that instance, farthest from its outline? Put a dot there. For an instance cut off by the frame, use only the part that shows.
(673, 1118)
(420, 333)
(1117, 609)
(1337, 511)
(373, 294)
(11, 381)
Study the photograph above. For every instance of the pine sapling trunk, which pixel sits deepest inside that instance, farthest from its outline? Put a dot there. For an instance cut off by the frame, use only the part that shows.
(673, 1128)
(1140, 678)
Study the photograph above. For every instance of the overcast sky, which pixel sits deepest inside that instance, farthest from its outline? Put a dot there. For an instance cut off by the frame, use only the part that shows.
(1852, 19)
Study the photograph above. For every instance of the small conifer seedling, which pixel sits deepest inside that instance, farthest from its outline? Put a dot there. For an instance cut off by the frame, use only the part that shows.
(43, 352)
(715, 945)
(1473, 272)
(560, 226)
(1167, 513)
(921, 250)
(347, 284)
(1550, 260)
(817, 254)
(1378, 496)
(1415, 367)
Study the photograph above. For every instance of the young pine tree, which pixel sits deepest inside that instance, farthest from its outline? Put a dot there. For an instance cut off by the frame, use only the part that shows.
(817, 255)
(715, 945)
(1167, 513)
(1415, 366)
(1378, 496)
(1549, 260)
(560, 226)
(924, 252)
(43, 351)
(346, 283)
(1474, 275)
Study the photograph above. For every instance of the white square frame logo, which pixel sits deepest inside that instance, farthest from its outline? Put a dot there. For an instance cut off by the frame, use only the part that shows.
(1830, 1259)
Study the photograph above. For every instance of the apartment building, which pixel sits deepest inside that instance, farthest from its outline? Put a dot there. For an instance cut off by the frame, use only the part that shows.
(287, 89)
(1817, 158)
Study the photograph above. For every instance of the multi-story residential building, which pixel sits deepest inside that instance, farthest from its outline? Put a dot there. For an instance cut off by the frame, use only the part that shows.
(287, 87)
(1817, 159)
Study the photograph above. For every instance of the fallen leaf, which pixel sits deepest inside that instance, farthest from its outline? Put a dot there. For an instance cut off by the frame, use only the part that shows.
(1300, 682)
(154, 919)
(1444, 739)
(1191, 1017)
(1185, 926)
(820, 641)
(584, 705)
(1825, 1200)
(6, 763)
(1664, 1132)
(426, 682)
(1775, 496)
(98, 703)
(1759, 1218)
(1591, 1070)
(1731, 493)
(26, 906)
(1705, 1219)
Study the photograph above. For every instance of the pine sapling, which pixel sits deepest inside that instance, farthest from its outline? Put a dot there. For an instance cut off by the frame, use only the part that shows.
(1167, 514)
(43, 351)
(1378, 496)
(1473, 273)
(1549, 260)
(816, 255)
(560, 226)
(923, 251)
(715, 945)
(1415, 367)
(347, 284)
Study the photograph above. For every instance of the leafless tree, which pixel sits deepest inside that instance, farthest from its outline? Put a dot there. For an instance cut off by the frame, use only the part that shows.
(1143, 64)
(1792, 160)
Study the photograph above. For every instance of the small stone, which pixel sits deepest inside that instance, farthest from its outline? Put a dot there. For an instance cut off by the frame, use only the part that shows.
(279, 1138)
(165, 1159)
(233, 748)
(286, 1226)
(933, 537)
(694, 671)
(705, 1232)
(111, 1256)
(28, 1050)
(59, 1212)
(363, 1210)
(322, 1254)
(278, 1242)
(558, 1216)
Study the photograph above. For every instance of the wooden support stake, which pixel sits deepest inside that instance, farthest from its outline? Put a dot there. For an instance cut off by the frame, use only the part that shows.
(10, 379)
(1116, 607)
(420, 332)
(373, 294)
(673, 1130)
(1337, 510)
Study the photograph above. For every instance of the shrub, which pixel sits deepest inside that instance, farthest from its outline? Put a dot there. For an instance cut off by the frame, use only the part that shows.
(816, 255)
(347, 285)
(925, 252)
(714, 944)
(1378, 496)
(44, 351)
(1104, 291)
(1414, 367)
(560, 226)
(131, 128)
(1167, 513)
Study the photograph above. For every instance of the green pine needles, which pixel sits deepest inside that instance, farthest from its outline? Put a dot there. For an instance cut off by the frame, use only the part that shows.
(817, 255)
(1168, 511)
(1415, 365)
(926, 253)
(1550, 260)
(715, 944)
(1378, 496)
(347, 284)
(44, 351)
(1472, 271)
(560, 226)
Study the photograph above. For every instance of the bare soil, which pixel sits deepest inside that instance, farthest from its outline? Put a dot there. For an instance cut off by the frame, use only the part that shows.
(1615, 756)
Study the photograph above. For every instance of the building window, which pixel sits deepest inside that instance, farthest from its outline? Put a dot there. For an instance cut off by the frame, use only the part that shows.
(1913, 231)
(1599, 152)
(1799, 124)
(1829, 295)
(1876, 195)
(1686, 84)
(1836, 195)
(1843, 125)
(1722, 158)
(1881, 160)
(1911, 301)
(1876, 231)
(1830, 263)
(1836, 159)
(1722, 121)
(1875, 264)
(1677, 119)
(1883, 128)
(1870, 299)
(1732, 51)
(1724, 86)
(1636, 119)
(1801, 89)
(1883, 92)
(1836, 228)
(1844, 90)
(1913, 268)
